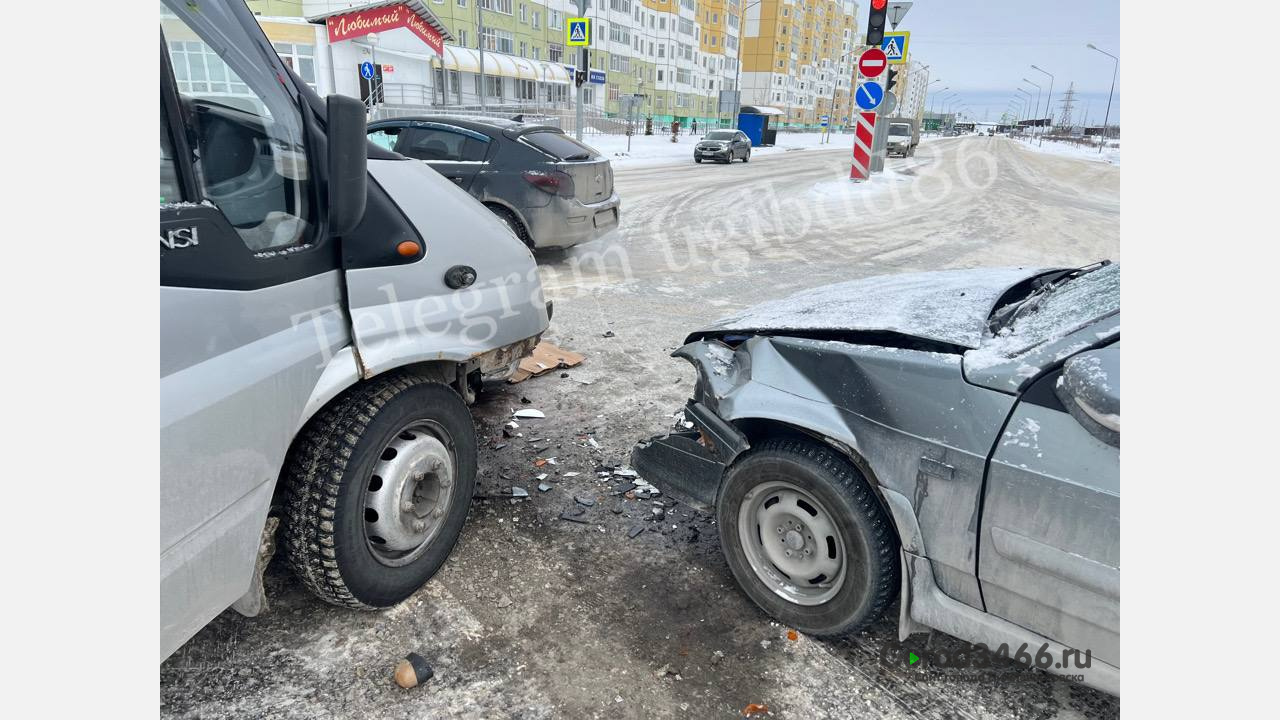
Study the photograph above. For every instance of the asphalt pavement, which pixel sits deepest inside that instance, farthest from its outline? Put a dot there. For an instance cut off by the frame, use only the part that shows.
(535, 616)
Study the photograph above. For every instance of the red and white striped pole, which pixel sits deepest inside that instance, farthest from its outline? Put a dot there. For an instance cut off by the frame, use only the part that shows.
(864, 134)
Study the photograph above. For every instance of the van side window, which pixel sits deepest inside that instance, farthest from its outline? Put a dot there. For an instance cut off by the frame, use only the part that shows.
(440, 145)
(170, 189)
(248, 153)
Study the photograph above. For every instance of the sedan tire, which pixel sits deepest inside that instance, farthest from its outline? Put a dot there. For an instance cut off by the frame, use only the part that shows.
(807, 539)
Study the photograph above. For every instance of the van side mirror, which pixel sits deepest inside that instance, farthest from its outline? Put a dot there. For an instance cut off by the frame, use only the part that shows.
(1089, 387)
(348, 155)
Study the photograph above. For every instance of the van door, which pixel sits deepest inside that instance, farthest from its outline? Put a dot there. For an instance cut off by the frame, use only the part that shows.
(456, 153)
(250, 302)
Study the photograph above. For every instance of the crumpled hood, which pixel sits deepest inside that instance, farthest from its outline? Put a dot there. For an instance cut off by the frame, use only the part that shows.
(949, 306)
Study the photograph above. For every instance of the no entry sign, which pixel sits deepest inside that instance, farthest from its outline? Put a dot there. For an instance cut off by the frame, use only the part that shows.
(872, 63)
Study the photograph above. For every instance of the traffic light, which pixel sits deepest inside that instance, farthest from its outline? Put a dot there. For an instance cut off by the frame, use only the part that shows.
(875, 23)
(890, 79)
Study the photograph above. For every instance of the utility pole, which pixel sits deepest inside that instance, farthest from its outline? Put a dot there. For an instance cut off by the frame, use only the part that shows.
(1107, 119)
(1037, 119)
(1047, 99)
(584, 66)
(480, 44)
(737, 68)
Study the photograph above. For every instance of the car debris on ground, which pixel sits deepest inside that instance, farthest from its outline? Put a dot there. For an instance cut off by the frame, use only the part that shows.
(413, 671)
(545, 358)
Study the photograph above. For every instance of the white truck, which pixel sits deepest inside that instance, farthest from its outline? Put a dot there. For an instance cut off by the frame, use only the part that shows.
(903, 136)
(328, 309)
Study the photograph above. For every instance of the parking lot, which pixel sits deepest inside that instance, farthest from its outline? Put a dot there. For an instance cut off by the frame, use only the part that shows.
(628, 609)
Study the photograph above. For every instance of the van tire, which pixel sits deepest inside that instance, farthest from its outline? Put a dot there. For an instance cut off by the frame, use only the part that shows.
(869, 584)
(331, 465)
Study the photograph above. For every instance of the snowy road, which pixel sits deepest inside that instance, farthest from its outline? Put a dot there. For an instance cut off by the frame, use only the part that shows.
(538, 617)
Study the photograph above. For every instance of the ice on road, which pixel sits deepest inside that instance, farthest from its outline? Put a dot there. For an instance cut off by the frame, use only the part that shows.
(535, 617)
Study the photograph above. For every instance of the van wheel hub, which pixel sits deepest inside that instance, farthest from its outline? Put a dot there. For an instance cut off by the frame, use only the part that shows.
(409, 490)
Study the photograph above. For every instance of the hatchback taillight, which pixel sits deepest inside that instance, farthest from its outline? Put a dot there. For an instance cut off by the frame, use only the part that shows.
(554, 181)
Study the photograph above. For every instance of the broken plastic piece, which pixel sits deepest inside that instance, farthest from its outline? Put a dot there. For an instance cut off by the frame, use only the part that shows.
(529, 413)
(754, 709)
(412, 671)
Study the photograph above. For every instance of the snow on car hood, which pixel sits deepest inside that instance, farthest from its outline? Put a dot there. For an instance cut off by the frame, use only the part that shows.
(950, 306)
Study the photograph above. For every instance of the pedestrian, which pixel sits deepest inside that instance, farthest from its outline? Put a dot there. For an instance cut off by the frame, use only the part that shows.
(693, 129)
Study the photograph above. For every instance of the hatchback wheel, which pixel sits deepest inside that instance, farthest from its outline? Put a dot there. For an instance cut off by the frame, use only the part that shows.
(806, 538)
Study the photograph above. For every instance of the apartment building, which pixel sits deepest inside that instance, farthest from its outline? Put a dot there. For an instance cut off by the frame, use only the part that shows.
(799, 56)
(663, 59)
(912, 88)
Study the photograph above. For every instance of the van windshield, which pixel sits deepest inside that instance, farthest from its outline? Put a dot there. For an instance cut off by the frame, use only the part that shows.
(899, 129)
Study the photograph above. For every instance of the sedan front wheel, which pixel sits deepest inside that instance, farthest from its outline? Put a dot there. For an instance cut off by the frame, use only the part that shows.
(806, 538)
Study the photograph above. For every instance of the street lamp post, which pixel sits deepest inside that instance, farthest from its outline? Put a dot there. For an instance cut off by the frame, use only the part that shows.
(946, 104)
(934, 100)
(835, 80)
(1028, 101)
(1107, 119)
(1047, 99)
(737, 70)
(927, 94)
(1037, 100)
(1018, 104)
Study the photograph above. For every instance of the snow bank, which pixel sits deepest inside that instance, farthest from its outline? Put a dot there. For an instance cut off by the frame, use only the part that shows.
(650, 150)
(1109, 155)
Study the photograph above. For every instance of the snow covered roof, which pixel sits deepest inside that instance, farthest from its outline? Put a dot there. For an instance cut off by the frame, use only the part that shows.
(761, 110)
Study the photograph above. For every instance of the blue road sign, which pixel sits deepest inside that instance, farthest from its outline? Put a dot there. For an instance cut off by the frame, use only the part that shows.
(869, 95)
(366, 70)
(596, 76)
(895, 46)
(824, 121)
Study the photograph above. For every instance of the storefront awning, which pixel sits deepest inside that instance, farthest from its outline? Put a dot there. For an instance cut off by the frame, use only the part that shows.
(355, 22)
(502, 65)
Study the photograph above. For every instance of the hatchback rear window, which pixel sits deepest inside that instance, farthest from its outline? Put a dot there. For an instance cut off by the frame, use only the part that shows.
(561, 147)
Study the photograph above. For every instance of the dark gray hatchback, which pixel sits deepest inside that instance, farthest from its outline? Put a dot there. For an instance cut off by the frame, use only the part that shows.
(550, 189)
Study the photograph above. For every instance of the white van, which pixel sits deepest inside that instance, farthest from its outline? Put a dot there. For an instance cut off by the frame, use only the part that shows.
(327, 311)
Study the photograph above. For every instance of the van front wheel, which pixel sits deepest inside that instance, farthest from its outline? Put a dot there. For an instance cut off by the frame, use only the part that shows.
(378, 487)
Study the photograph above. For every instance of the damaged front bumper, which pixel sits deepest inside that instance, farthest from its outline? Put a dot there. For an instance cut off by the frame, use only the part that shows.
(689, 462)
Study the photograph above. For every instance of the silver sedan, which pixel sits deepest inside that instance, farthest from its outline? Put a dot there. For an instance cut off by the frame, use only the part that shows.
(947, 440)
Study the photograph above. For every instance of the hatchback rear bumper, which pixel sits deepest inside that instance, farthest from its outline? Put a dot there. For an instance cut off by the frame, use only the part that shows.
(565, 222)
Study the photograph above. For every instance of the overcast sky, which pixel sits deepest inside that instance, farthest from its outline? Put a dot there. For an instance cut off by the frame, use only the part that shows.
(984, 48)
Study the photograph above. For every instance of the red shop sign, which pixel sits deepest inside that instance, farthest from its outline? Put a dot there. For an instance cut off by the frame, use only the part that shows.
(359, 24)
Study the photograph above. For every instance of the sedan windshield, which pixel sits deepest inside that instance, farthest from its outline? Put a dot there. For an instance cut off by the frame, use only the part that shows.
(720, 135)
(1058, 308)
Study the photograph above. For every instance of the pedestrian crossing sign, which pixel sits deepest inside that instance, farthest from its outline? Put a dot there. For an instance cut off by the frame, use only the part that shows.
(578, 32)
(895, 46)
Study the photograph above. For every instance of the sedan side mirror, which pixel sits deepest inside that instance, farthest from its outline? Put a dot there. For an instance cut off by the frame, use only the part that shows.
(1089, 387)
